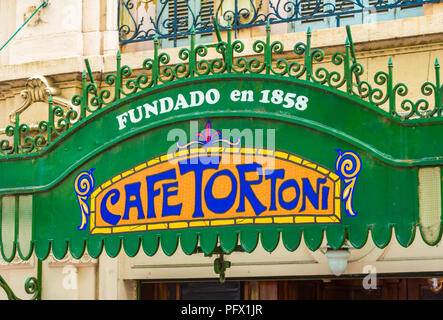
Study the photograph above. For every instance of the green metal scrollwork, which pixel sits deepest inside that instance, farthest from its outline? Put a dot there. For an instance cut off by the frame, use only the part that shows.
(32, 286)
(421, 107)
(381, 94)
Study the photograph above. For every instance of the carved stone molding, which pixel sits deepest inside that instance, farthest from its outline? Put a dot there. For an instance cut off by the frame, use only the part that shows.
(17, 262)
(85, 261)
(38, 89)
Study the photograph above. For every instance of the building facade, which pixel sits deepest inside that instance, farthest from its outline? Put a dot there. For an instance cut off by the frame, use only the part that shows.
(67, 45)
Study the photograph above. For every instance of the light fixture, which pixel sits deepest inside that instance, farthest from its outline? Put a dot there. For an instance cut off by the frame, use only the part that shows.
(435, 284)
(338, 260)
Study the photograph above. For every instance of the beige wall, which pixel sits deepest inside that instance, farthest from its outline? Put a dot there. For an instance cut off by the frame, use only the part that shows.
(63, 29)
(70, 30)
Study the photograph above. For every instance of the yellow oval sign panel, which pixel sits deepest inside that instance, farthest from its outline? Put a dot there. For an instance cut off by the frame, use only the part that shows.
(208, 187)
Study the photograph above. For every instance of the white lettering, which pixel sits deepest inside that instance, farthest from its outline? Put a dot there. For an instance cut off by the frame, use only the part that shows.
(132, 115)
(194, 96)
(70, 280)
(247, 95)
(163, 101)
(181, 102)
(150, 109)
(207, 311)
(212, 96)
(122, 120)
(370, 281)
(235, 95)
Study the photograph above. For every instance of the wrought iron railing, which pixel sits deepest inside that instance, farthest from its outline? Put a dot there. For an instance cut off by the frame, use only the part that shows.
(383, 94)
(142, 20)
(33, 286)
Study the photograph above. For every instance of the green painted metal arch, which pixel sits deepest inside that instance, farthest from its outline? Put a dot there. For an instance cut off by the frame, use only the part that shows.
(405, 233)
(169, 242)
(313, 236)
(59, 248)
(95, 247)
(208, 240)
(113, 246)
(291, 237)
(150, 243)
(131, 245)
(94, 144)
(77, 247)
(249, 240)
(8, 256)
(335, 236)
(269, 239)
(188, 241)
(358, 235)
(381, 234)
(436, 240)
(24, 254)
(228, 237)
(42, 248)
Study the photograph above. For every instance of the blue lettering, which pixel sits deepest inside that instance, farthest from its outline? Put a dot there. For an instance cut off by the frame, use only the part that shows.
(285, 185)
(224, 204)
(107, 216)
(204, 163)
(167, 209)
(273, 175)
(133, 191)
(324, 194)
(308, 192)
(152, 193)
(246, 190)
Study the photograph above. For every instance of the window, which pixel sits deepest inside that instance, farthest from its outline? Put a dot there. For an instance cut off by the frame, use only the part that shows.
(322, 7)
(177, 17)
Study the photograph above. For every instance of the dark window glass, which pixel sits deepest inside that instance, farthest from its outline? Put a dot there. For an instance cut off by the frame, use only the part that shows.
(210, 291)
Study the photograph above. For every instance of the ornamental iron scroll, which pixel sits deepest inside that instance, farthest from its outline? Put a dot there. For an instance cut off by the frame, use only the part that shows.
(24, 136)
(33, 285)
(239, 14)
(37, 89)
(382, 95)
